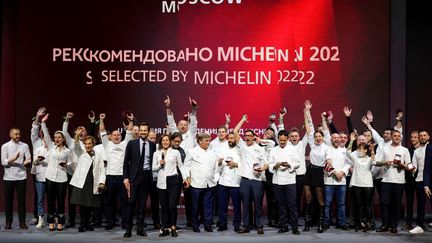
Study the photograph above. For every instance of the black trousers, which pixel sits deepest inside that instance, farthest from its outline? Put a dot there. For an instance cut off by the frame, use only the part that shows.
(299, 192)
(56, 195)
(391, 200)
(85, 213)
(139, 190)
(20, 188)
(410, 188)
(286, 199)
(272, 206)
(188, 204)
(71, 207)
(363, 204)
(154, 201)
(115, 191)
(169, 198)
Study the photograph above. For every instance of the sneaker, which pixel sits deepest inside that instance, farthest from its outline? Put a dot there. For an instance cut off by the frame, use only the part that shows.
(430, 224)
(417, 230)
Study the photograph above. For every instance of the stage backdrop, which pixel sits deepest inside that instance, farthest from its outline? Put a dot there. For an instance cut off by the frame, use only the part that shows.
(232, 56)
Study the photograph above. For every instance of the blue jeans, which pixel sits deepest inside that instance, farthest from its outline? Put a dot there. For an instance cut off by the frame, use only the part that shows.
(207, 196)
(40, 190)
(340, 191)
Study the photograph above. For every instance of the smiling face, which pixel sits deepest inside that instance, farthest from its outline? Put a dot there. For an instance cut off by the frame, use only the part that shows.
(59, 139)
(423, 137)
(88, 144)
(294, 137)
(318, 138)
(183, 126)
(116, 137)
(221, 133)
(15, 135)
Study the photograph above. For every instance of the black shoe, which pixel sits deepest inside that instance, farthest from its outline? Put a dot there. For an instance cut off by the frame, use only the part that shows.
(128, 233)
(283, 230)
(326, 227)
(344, 227)
(141, 232)
(70, 225)
(90, 228)
(109, 227)
(23, 225)
(295, 231)
(243, 230)
(271, 224)
(382, 229)
(260, 231)
(196, 230)
(208, 229)
(236, 229)
(393, 230)
(165, 232)
(174, 233)
(222, 228)
(81, 229)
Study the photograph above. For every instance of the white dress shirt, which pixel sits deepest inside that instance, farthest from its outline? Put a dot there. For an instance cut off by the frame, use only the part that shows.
(202, 167)
(300, 149)
(71, 145)
(284, 175)
(229, 176)
(172, 159)
(115, 153)
(54, 171)
(418, 161)
(17, 170)
(189, 140)
(340, 163)
(217, 145)
(391, 174)
(40, 169)
(251, 154)
(317, 153)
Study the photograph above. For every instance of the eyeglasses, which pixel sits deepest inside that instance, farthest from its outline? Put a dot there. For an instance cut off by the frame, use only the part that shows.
(177, 141)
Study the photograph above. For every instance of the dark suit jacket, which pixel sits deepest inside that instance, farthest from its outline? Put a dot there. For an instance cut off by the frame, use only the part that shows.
(131, 162)
(427, 180)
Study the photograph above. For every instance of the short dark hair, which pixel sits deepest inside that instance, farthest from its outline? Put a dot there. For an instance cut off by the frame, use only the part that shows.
(283, 133)
(176, 135)
(251, 131)
(222, 127)
(146, 124)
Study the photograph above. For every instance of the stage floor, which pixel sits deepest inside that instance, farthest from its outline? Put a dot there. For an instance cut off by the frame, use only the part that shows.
(186, 235)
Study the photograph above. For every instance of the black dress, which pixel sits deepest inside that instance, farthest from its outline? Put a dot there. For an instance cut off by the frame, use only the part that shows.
(85, 196)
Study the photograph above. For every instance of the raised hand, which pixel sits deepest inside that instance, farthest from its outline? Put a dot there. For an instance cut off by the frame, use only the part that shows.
(365, 120)
(167, 102)
(399, 114)
(308, 105)
(41, 112)
(369, 116)
(130, 116)
(245, 118)
(45, 118)
(69, 115)
(227, 118)
(91, 116)
(353, 136)
(193, 102)
(347, 111)
(330, 116)
(102, 116)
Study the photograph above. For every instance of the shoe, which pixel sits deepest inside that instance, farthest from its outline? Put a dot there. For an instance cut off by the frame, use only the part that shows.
(40, 223)
(51, 227)
(260, 231)
(59, 227)
(208, 229)
(196, 230)
(34, 221)
(165, 232)
(141, 232)
(70, 225)
(174, 233)
(8, 225)
(417, 230)
(393, 230)
(23, 225)
(90, 228)
(326, 227)
(295, 231)
(283, 230)
(236, 229)
(128, 233)
(321, 220)
(222, 228)
(271, 224)
(81, 229)
(243, 230)
(408, 226)
(109, 227)
(382, 229)
(430, 224)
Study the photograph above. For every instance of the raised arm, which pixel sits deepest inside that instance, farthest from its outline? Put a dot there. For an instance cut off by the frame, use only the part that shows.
(170, 116)
(77, 148)
(47, 137)
(376, 137)
(65, 127)
(227, 120)
(238, 127)
(34, 135)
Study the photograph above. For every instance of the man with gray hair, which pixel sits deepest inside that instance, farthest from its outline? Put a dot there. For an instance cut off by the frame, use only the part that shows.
(201, 166)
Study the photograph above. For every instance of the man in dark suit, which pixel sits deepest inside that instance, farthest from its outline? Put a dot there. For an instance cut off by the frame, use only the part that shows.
(137, 174)
(427, 178)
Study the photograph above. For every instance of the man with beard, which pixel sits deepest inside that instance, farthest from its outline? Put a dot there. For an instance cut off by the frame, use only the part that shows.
(229, 184)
